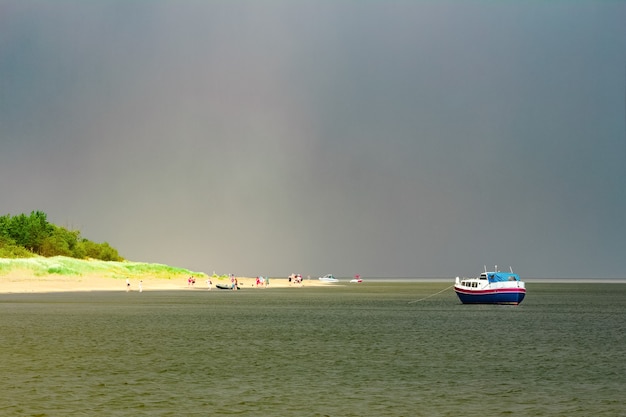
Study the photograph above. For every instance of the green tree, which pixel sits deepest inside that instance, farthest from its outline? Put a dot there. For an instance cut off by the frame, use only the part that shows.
(107, 253)
(5, 222)
(23, 235)
(60, 242)
(90, 248)
(27, 231)
(8, 249)
(38, 230)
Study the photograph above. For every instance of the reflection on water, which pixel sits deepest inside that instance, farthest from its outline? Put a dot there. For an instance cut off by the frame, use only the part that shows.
(337, 351)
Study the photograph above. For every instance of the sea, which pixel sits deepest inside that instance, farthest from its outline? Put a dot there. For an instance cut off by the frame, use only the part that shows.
(378, 348)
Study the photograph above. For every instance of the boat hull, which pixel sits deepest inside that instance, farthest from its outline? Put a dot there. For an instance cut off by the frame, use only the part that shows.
(512, 296)
(225, 287)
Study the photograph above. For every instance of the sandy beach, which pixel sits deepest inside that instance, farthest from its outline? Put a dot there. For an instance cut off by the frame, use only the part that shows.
(25, 282)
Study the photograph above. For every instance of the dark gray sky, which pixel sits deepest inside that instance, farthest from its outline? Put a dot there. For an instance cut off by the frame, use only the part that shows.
(385, 138)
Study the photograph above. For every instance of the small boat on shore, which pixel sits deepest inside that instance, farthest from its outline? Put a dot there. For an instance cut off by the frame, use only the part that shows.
(357, 279)
(328, 278)
(225, 287)
(491, 288)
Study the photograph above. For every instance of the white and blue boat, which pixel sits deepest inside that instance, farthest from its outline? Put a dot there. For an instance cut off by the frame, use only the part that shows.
(491, 288)
(328, 278)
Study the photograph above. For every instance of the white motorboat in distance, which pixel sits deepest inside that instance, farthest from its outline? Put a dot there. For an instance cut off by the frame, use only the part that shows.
(328, 278)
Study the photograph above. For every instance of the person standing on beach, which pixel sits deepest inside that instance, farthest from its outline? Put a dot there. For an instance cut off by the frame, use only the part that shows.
(127, 285)
(209, 283)
(140, 286)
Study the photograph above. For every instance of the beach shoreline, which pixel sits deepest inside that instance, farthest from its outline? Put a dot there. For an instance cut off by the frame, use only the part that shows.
(17, 282)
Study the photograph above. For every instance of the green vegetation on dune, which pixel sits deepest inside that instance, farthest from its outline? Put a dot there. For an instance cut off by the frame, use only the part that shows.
(31, 243)
(61, 265)
(23, 236)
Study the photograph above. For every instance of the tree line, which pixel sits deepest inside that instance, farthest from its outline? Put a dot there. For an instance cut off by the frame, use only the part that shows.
(25, 236)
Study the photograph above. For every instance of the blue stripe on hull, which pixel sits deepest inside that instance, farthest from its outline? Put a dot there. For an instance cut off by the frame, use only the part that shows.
(492, 298)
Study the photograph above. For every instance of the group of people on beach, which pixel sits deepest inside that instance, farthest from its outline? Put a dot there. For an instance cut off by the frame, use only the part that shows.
(261, 281)
(295, 279)
(234, 284)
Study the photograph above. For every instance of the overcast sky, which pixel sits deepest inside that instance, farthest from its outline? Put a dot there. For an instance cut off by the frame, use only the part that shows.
(384, 138)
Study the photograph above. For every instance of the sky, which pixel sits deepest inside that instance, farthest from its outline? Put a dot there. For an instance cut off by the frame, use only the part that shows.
(380, 138)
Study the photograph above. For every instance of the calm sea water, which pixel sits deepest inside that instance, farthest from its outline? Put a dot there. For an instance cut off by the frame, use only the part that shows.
(353, 350)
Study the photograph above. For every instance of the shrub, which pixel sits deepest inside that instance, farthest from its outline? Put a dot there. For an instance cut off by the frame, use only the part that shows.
(24, 236)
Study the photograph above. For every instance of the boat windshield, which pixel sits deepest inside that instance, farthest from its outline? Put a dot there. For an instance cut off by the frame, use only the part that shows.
(502, 276)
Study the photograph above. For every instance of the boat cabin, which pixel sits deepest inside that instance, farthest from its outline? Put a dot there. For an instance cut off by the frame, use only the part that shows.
(486, 278)
(471, 283)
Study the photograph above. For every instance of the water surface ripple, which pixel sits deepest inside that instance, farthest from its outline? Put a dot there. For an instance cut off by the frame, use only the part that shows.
(347, 350)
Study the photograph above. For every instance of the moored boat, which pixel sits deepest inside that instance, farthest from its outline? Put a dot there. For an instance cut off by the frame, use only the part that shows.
(328, 278)
(226, 287)
(491, 288)
(357, 279)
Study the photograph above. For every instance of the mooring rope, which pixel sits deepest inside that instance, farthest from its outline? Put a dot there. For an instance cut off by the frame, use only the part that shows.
(432, 295)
